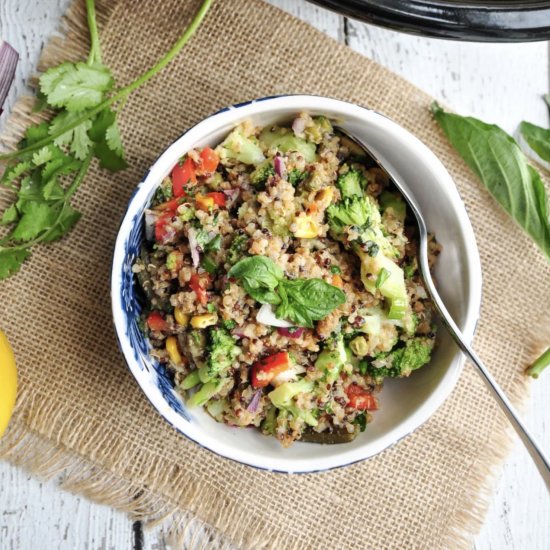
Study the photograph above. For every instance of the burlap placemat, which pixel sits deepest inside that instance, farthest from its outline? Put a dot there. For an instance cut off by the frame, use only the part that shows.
(79, 410)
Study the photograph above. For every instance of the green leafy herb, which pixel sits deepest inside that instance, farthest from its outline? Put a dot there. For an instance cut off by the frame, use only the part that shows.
(539, 365)
(301, 301)
(334, 269)
(361, 421)
(537, 138)
(295, 177)
(383, 276)
(502, 167)
(306, 300)
(53, 157)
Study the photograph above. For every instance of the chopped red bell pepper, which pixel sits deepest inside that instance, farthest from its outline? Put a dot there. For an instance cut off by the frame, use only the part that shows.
(182, 174)
(198, 284)
(169, 206)
(218, 198)
(361, 399)
(265, 370)
(163, 230)
(155, 321)
(209, 161)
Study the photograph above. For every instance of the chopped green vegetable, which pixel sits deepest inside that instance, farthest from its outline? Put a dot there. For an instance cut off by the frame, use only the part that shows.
(351, 211)
(296, 177)
(237, 248)
(502, 167)
(332, 358)
(262, 173)
(190, 381)
(321, 125)
(395, 203)
(402, 361)
(206, 392)
(335, 270)
(282, 398)
(351, 184)
(237, 146)
(284, 141)
(222, 351)
(539, 365)
(383, 276)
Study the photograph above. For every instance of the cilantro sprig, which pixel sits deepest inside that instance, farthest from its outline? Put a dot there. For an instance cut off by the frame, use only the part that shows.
(52, 160)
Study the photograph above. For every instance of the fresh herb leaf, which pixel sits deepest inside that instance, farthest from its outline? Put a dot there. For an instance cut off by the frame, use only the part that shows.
(383, 276)
(76, 86)
(361, 421)
(229, 324)
(14, 172)
(35, 133)
(65, 222)
(112, 137)
(53, 191)
(295, 177)
(537, 138)
(335, 270)
(37, 217)
(502, 167)
(10, 215)
(108, 158)
(76, 139)
(308, 300)
(257, 272)
(208, 264)
(214, 244)
(11, 260)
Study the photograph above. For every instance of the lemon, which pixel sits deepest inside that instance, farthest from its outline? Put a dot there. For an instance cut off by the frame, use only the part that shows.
(8, 382)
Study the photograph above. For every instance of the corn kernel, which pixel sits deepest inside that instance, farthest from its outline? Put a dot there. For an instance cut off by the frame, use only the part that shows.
(204, 203)
(182, 319)
(173, 351)
(324, 196)
(306, 228)
(205, 320)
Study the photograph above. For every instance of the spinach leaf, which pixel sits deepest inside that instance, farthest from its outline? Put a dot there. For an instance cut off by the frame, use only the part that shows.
(502, 167)
(307, 300)
(537, 138)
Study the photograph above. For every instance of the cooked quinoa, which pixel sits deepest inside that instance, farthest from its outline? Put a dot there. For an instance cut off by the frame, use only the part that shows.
(280, 282)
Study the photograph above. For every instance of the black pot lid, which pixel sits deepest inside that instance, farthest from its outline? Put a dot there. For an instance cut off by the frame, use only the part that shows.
(488, 21)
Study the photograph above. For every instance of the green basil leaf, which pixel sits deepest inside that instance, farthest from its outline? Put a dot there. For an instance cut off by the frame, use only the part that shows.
(257, 272)
(263, 295)
(537, 138)
(502, 167)
(308, 300)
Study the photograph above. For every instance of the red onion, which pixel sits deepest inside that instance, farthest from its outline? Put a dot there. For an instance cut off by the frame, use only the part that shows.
(232, 195)
(253, 405)
(292, 332)
(8, 62)
(279, 165)
(238, 332)
(298, 126)
(194, 246)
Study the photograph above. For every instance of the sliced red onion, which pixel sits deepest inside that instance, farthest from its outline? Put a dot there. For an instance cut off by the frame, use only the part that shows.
(280, 167)
(8, 62)
(266, 316)
(232, 195)
(292, 332)
(193, 246)
(150, 220)
(238, 332)
(298, 126)
(253, 405)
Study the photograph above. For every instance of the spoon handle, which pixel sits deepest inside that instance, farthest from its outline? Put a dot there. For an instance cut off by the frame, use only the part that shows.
(540, 460)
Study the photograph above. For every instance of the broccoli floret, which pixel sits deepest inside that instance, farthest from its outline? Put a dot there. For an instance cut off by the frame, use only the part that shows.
(262, 173)
(351, 211)
(221, 352)
(295, 177)
(238, 246)
(237, 146)
(282, 398)
(402, 361)
(351, 184)
(284, 140)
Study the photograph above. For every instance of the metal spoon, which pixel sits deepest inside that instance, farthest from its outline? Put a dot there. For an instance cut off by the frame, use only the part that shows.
(541, 461)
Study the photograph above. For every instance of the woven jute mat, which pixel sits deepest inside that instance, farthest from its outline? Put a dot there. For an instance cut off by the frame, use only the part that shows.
(80, 412)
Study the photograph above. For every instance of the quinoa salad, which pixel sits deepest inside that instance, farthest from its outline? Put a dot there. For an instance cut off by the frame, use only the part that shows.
(280, 284)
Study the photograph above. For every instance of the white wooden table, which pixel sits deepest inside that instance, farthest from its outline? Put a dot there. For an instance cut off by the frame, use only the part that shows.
(499, 83)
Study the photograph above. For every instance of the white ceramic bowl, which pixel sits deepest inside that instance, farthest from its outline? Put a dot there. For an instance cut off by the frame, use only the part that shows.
(404, 404)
